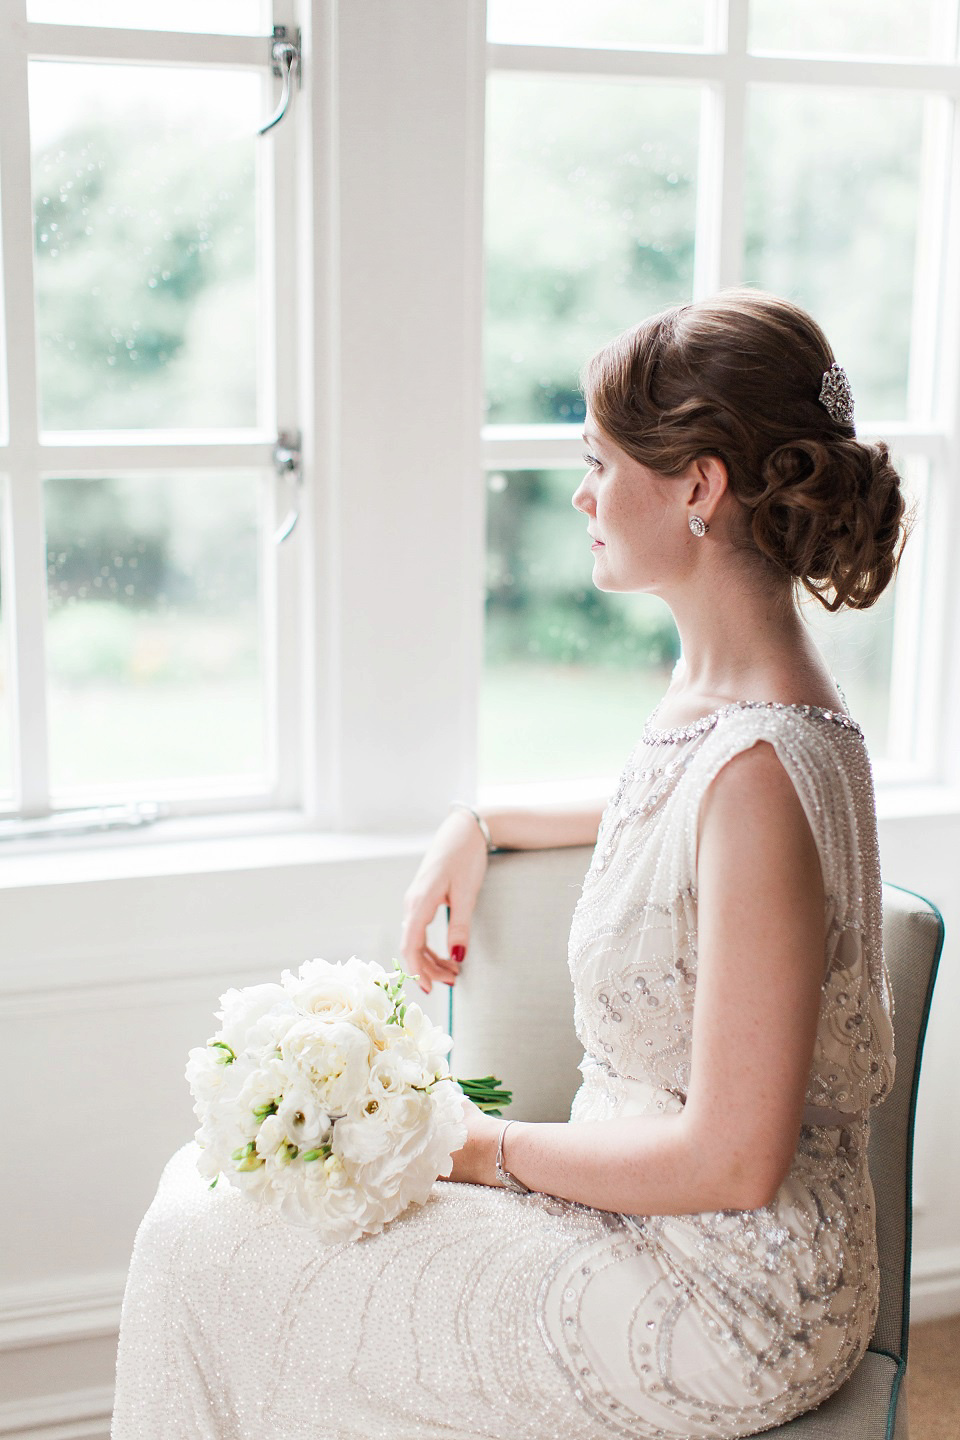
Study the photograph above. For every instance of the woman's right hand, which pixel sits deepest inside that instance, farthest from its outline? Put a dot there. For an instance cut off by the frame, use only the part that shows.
(450, 873)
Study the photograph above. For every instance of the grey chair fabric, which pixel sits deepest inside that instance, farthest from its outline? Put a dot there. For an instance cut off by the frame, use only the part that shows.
(517, 966)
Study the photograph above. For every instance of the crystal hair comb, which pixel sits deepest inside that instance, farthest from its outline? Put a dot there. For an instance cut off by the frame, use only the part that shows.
(836, 397)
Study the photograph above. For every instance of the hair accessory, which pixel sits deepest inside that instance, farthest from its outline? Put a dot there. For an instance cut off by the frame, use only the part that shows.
(698, 526)
(836, 397)
(484, 827)
(503, 1175)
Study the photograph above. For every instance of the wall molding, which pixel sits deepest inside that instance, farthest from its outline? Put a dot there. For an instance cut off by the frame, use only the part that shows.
(935, 1284)
(52, 1312)
(71, 1415)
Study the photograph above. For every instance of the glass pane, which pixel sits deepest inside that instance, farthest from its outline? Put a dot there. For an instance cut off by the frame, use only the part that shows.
(848, 27)
(6, 745)
(633, 23)
(571, 672)
(226, 17)
(145, 225)
(591, 206)
(156, 665)
(859, 646)
(828, 172)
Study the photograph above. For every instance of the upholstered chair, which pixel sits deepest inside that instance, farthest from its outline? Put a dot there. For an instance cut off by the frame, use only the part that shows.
(517, 968)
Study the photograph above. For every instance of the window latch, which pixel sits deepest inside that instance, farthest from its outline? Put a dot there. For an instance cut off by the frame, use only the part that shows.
(286, 462)
(286, 62)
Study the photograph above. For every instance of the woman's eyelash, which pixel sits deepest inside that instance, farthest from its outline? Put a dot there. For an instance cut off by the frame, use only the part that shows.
(592, 461)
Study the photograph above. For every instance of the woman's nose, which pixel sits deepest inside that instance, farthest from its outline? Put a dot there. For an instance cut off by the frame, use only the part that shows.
(582, 499)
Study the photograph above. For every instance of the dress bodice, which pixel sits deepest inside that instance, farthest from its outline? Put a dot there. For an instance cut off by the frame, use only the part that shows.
(633, 941)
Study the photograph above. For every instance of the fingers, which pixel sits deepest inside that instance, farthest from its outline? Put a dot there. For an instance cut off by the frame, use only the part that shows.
(433, 968)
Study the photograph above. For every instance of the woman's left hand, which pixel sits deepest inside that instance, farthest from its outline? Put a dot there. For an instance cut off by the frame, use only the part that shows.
(475, 1163)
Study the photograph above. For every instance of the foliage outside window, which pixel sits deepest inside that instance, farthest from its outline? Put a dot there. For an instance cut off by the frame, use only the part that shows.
(606, 202)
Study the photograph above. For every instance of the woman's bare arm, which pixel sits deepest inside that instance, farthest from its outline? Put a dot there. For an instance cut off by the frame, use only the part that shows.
(760, 970)
(452, 870)
(546, 827)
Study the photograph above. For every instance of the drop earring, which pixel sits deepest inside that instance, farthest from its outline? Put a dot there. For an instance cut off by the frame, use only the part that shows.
(699, 527)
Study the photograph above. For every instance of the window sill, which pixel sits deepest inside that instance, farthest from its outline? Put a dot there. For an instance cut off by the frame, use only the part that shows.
(212, 845)
(276, 839)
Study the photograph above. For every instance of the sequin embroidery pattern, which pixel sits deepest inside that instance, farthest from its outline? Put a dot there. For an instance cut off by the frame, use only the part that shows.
(487, 1315)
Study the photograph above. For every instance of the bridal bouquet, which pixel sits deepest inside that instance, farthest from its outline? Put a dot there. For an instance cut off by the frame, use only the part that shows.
(328, 1098)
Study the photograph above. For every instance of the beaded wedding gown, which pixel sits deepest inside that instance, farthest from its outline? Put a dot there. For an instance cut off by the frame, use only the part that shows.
(488, 1315)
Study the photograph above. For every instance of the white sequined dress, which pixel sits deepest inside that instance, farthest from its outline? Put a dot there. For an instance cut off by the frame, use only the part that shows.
(487, 1315)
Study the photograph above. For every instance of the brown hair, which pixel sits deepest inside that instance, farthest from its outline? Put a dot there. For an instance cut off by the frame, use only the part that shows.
(738, 376)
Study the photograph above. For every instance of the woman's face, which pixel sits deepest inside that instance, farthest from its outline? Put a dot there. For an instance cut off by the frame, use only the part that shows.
(636, 517)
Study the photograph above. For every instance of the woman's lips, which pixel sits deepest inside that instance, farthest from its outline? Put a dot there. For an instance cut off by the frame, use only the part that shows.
(597, 545)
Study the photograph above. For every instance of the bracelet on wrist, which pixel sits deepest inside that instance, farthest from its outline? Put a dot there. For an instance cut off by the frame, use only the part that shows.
(484, 827)
(503, 1174)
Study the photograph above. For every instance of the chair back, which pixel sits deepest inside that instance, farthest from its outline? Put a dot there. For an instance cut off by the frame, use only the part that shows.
(511, 1015)
(511, 1011)
(912, 943)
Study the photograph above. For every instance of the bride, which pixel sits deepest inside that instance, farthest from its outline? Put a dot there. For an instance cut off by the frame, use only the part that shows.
(693, 1254)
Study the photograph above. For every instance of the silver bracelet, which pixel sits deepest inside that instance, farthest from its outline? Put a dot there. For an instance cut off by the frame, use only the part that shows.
(503, 1175)
(484, 827)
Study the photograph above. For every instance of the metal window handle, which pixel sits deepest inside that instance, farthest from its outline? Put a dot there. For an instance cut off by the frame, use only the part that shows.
(286, 462)
(286, 60)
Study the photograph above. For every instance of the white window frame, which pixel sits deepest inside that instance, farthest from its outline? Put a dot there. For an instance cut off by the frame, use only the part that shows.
(27, 455)
(924, 658)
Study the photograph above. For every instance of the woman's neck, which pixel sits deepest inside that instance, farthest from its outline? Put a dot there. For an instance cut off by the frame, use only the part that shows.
(744, 639)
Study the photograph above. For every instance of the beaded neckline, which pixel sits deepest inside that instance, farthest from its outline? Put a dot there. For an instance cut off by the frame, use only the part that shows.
(652, 736)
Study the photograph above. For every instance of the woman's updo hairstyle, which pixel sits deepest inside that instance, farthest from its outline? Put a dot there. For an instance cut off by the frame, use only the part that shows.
(738, 376)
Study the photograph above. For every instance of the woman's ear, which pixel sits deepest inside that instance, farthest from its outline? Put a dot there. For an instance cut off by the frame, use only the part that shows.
(707, 484)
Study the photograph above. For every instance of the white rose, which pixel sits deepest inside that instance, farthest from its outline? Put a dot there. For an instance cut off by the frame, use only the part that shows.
(345, 991)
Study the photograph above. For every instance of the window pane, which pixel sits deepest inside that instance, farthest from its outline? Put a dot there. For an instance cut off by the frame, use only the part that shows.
(145, 224)
(591, 204)
(6, 747)
(572, 672)
(848, 27)
(829, 172)
(632, 23)
(861, 646)
(227, 17)
(156, 665)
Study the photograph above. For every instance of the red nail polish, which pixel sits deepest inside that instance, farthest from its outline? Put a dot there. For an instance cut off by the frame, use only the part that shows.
(458, 952)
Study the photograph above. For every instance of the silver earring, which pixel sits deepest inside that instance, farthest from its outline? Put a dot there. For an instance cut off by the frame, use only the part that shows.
(698, 526)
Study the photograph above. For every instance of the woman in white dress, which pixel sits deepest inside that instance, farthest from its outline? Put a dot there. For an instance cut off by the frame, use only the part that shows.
(693, 1254)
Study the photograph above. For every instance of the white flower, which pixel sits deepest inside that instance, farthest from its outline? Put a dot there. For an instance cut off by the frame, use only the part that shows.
(312, 1068)
(242, 1010)
(345, 991)
(305, 1122)
(433, 1043)
(333, 1055)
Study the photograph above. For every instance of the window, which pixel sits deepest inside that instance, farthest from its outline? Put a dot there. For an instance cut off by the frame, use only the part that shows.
(639, 156)
(144, 264)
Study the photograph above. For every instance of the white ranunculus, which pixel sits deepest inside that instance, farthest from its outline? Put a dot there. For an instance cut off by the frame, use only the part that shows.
(304, 1119)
